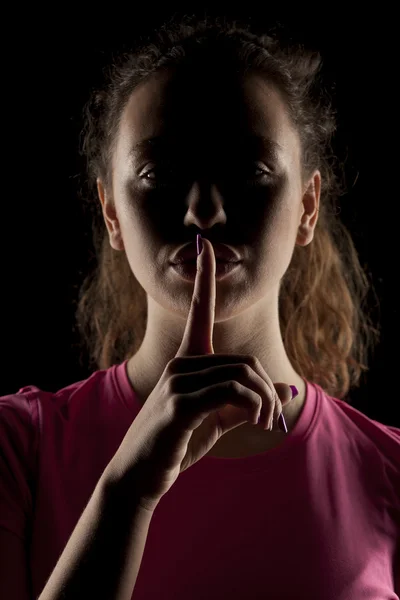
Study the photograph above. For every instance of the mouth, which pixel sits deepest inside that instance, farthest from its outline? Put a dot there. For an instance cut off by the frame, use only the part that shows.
(223, 253)
(188, 269)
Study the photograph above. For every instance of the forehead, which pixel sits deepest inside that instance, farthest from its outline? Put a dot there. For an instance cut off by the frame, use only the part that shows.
(193, 109)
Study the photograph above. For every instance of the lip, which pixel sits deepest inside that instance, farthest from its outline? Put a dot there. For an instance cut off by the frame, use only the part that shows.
(222, 253)
(188, 269)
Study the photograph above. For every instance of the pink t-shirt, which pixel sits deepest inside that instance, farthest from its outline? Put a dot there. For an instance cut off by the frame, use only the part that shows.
(317, 517)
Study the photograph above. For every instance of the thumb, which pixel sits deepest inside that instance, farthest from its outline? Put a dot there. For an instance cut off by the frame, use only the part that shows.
(285, 392)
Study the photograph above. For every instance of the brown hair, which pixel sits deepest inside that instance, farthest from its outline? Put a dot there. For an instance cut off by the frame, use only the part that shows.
(326, 331)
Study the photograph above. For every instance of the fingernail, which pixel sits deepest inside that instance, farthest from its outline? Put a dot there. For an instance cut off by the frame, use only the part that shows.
(282, 423)
(199, 244)
(295, 391)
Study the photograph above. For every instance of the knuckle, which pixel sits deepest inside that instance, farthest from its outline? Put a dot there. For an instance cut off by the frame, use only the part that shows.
(247, 369)
(252, 361)
(172, 384)
(174, 364)
(177, 404)
(232, 386)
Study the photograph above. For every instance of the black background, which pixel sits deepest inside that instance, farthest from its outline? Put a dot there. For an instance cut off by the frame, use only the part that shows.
(50, 62)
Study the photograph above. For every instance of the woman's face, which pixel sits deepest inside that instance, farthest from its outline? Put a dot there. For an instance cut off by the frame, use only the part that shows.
(215, 155)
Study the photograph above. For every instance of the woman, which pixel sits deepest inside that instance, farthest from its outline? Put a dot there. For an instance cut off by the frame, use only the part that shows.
(211, 130)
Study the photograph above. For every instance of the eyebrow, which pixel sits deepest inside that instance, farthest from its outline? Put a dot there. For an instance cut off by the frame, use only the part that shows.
(251, 141)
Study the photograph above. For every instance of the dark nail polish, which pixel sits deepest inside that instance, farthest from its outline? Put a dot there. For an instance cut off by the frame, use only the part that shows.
(295, 391)
(199, 241)
(282, 423)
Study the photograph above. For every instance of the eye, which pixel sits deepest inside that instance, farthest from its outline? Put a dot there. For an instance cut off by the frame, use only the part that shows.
(159, 176)
(162, 176)
(257, 176)
(262, 172)
(150, 172)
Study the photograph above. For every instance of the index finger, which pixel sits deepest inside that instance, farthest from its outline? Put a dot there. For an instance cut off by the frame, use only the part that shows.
(197, 337)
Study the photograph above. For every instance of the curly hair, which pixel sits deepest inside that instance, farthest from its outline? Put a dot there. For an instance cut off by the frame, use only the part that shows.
(326, 330)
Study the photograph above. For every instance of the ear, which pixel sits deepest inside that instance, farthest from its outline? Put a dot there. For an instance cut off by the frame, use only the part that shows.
(101, 191)
(110, 217)
(309, 208)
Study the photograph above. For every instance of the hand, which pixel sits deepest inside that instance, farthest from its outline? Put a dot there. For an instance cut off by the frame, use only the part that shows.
(199, 397)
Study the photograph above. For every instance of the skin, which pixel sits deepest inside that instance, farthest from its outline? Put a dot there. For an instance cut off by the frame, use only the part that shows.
(210, 193)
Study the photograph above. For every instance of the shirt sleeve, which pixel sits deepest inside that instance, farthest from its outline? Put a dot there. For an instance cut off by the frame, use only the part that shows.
(18, 449)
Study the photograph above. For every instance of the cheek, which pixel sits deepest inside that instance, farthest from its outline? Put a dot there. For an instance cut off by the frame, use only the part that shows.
(133, 217)
(271, 217)
(283, 210)
(277, 236)
(141, 265)
(148, 209)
